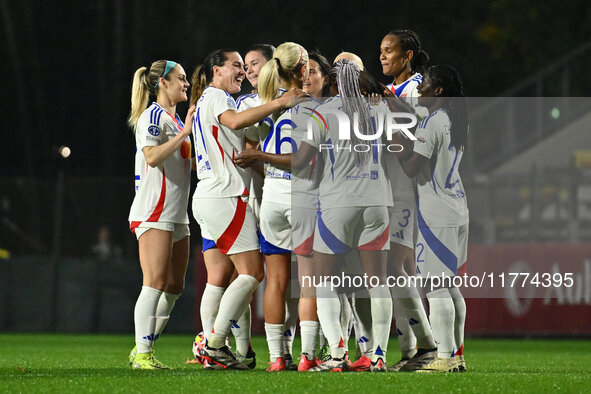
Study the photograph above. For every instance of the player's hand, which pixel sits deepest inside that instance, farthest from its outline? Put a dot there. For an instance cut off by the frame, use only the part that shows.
(246, 158)
(387, 92)
(189, 121)
(292, 97)
(374, 99)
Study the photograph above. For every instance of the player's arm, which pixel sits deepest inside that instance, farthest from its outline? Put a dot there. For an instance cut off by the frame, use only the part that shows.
(239, 120)
(155, 155)
(287, 161)
(414, 164)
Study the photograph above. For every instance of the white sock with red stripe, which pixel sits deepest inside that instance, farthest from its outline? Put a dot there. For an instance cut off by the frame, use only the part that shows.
(381, 315)
(274, 334)
(346, 314)
(210, 304)
(309, 334)
(241, 332)
(234, 302)
(361, 309)
(144, 318)
(442, 316)
(460, 319)
(329, 313)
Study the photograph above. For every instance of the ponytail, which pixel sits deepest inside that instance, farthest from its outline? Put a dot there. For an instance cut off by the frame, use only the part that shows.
(199, 82)
(287, 60)
(419, 62)
(145, 85)
(269, 80)
(139, 96)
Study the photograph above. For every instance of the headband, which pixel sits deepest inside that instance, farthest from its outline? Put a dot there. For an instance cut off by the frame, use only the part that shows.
(169, 66)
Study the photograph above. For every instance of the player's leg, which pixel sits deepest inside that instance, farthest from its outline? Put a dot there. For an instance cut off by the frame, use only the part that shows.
(291, 320)
(155, 254)
(309, 324)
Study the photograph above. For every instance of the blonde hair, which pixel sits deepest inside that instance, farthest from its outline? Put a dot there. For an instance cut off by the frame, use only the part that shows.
(285, 64)
(144, 86)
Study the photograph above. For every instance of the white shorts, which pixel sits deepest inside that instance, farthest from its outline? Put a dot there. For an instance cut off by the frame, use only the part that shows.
(303, 224)
(441, 250)
(179, 230)
(275, 228)
(340, 229)
(402, 223)
(229, 222)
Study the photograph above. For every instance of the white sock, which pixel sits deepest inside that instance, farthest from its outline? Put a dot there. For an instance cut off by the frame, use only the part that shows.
(309, 334)
(361, 309)
(412, 320)
(144, 318)
(165, 305)
(329, 313)
(321, 337)
(460, 319)
(234, 302)
(274, 340)
(241, 332)
(381, 315)
(210, 304)
(291, 321)
(442, 316)
(345, 319)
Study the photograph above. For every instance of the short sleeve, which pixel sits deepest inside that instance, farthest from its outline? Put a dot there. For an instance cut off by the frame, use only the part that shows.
(148, 133)
(222, 103)
(428, 140)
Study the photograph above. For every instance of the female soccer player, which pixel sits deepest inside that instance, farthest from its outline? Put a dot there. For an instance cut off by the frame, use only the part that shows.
(220, 206)
(403, 59)
(316, 85)
(158, 215)
(354, 194)
(442, 208)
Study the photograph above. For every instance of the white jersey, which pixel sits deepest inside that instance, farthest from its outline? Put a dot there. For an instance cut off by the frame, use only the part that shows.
(162, 192)
(344, 183)
(216, 146)
(441, 196)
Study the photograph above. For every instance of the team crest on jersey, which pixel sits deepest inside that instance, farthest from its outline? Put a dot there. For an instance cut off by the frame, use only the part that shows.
(154, 130)
(421, 139)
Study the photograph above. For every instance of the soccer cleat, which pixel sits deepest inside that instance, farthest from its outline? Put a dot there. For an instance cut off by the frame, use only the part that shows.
(306, 364)
(250, 359)
(378, 366)
(277, 366)
(198, 343)
(332, 365)
(147, 361)
(396, 367)
(439, 365)
(418, 361)
(323, 353)
(361, 365)
(221, 358)
(461, 363)
(289, 364)
(132, 355)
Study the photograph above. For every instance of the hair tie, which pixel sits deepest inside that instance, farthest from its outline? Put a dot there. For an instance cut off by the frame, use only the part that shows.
(300, 59)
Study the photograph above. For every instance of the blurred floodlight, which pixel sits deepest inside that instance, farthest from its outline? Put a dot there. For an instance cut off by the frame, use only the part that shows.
(64, 151)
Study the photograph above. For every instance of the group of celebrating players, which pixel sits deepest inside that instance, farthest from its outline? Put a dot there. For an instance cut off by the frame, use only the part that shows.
(279, 179)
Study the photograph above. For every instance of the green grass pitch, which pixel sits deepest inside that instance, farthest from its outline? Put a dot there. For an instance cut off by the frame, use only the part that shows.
(98, 363)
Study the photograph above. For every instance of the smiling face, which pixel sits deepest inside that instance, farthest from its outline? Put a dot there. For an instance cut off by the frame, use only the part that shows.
(254, 62)
(316, 81)
(175, 87)
(229, 77)
(394, 60)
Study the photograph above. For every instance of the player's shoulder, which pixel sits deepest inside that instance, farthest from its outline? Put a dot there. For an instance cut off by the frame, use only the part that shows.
(248, 101)
(437, 120)
(152, 119)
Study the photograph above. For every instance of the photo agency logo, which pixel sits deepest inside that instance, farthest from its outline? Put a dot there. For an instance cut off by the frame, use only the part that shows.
(385, 125)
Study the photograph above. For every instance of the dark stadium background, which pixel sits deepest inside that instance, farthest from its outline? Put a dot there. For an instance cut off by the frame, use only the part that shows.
(66, 73)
